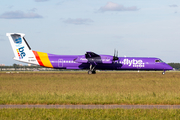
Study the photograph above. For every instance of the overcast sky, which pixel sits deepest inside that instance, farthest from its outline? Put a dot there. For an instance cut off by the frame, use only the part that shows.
(136, 28)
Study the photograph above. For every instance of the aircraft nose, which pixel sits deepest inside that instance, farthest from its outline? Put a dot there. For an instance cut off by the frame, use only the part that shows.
(168, 67)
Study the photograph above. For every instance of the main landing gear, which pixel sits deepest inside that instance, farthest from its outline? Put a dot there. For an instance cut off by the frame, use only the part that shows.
(163, 72)
(92, 71)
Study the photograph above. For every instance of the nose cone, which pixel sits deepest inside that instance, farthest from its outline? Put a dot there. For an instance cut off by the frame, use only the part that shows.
(168, 67)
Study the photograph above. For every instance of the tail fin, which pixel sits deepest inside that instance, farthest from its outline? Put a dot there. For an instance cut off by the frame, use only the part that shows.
(23, 52)
(21, 49)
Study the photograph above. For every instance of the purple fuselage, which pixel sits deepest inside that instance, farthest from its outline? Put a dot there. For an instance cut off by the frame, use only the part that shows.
(106, 62)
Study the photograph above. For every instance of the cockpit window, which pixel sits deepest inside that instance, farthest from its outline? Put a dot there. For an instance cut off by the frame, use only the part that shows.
(158, 61)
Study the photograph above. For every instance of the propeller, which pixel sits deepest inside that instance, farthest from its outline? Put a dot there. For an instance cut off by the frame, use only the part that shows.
(115, 57)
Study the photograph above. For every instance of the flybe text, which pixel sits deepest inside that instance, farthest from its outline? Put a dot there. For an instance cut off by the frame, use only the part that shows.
(133, 62)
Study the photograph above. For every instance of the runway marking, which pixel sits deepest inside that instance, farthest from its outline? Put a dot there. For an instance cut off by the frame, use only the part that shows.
(94, 106)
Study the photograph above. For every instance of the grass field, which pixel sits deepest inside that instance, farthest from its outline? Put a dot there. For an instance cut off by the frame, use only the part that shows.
(81, 88)
(86, 114)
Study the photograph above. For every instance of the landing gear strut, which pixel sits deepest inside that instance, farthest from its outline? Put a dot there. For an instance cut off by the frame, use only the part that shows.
(92, 71)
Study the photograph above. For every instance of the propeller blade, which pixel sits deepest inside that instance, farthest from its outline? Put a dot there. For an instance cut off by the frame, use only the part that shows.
(115, 57)
(117, 54)
(114, 51)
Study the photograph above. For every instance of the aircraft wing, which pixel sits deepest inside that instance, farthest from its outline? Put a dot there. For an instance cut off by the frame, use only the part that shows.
(93, 58)
(91, 55)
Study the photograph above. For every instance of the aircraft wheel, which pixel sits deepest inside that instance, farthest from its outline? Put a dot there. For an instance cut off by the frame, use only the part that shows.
(93, 72)
(89, 72)
(163, 72)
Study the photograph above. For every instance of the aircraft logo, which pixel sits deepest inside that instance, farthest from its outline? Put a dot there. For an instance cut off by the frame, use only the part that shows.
(21, 52)
(18, 41)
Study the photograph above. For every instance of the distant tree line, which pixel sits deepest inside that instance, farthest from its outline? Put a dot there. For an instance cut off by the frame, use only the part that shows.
(175, 65)
(24, 68)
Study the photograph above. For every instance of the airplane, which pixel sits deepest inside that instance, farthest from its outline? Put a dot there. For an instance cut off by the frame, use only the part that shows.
(90, 61)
